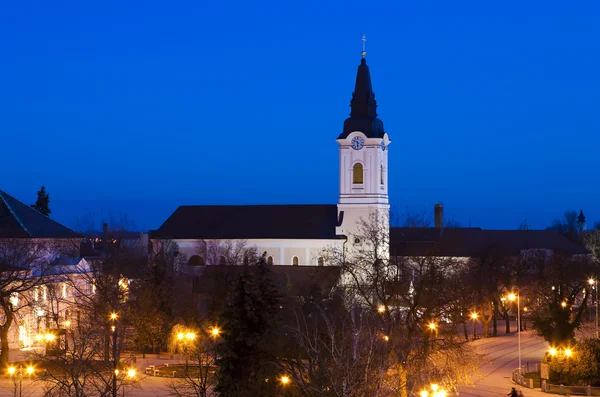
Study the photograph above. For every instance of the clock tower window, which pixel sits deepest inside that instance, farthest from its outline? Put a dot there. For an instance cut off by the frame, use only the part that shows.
(357, 174)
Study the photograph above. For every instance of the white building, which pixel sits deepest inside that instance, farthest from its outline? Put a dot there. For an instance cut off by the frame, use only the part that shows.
(297, 234)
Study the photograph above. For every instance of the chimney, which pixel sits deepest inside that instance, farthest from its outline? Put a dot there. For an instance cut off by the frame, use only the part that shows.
(438, 214)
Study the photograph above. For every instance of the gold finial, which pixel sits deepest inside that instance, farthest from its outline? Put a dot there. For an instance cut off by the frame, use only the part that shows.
(364, 44)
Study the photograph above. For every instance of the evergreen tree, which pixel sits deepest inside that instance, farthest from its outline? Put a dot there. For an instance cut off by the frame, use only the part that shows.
(42, 205)
(247, 360)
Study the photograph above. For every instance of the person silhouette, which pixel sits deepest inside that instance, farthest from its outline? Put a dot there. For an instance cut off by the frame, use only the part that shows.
(513, 393)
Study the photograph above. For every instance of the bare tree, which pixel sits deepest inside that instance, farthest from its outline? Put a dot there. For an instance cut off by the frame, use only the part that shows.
(228, 253)
(409, 293)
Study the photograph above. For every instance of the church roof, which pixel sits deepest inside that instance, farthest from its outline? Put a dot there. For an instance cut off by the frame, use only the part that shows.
(229, 222)
(363, 107)
(18, 220)
(475, 242)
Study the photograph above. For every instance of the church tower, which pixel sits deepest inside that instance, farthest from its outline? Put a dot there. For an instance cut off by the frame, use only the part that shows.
(363, 146)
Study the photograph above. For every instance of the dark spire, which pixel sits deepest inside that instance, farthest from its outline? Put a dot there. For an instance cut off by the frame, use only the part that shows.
(363, 107)
(581, 217)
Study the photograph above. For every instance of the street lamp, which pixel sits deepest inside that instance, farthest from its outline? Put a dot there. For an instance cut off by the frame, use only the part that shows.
(435, 391)
(113, 328)
(568, 352)
(185, 338)
(215, 331)
(474, 317)
(12, 371)
(381, 309)
(594, 283)
(512, 297)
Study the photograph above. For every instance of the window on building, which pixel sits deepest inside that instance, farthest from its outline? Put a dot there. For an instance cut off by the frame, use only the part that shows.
(295, 261)
(320, 261)
(357, 174)
(196, 260)
(222, 261)
(270, 260)
(381, 173)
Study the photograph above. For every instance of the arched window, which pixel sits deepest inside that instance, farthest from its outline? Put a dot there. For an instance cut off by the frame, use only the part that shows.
(295, 261)
(222, 261)
(381, 173)
(270, 260)
(196, 260)
(320, 261)
(357, 174)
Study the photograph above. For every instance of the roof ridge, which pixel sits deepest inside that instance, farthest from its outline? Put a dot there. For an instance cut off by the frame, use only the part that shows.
(2, 193)
(254, 205)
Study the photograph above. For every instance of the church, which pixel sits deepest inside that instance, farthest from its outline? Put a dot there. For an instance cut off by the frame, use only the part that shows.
(296, 235)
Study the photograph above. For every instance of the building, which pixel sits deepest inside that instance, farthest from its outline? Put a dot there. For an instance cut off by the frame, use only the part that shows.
(296, 235)
(37, 253)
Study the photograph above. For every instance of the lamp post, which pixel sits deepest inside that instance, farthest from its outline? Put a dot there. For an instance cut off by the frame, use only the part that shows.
(284, 381)
(18, 372)
(130, 375)
(474, 317)
(113, 317)
(186, 338)
(512, 297)
(594, 282)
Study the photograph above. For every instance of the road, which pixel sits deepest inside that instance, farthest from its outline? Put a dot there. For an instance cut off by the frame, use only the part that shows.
(501, 357)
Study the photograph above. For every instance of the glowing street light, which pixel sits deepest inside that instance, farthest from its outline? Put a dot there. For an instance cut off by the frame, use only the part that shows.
(568, 352)
(131, 373)
(474, 318)
(18, 373)
(284, 380)
(512, 297)
(552, 351)
(190, 336)
(113, 316)
(381, 309)
(432, 326)
(563, 304)
(594, 283)
(215, 331)
(386, 338)
(436, 391)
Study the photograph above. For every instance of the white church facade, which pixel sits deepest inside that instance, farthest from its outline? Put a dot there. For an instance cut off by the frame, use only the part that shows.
(298, 234)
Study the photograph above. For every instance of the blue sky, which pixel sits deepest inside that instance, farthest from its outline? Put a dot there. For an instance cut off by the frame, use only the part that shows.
(140, 106)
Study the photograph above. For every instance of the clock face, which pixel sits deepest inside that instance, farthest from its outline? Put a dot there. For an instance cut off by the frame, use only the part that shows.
(383, 146)
(357, 143)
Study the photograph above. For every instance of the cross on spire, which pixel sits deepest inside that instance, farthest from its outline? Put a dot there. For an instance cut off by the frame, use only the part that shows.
(364, 45)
